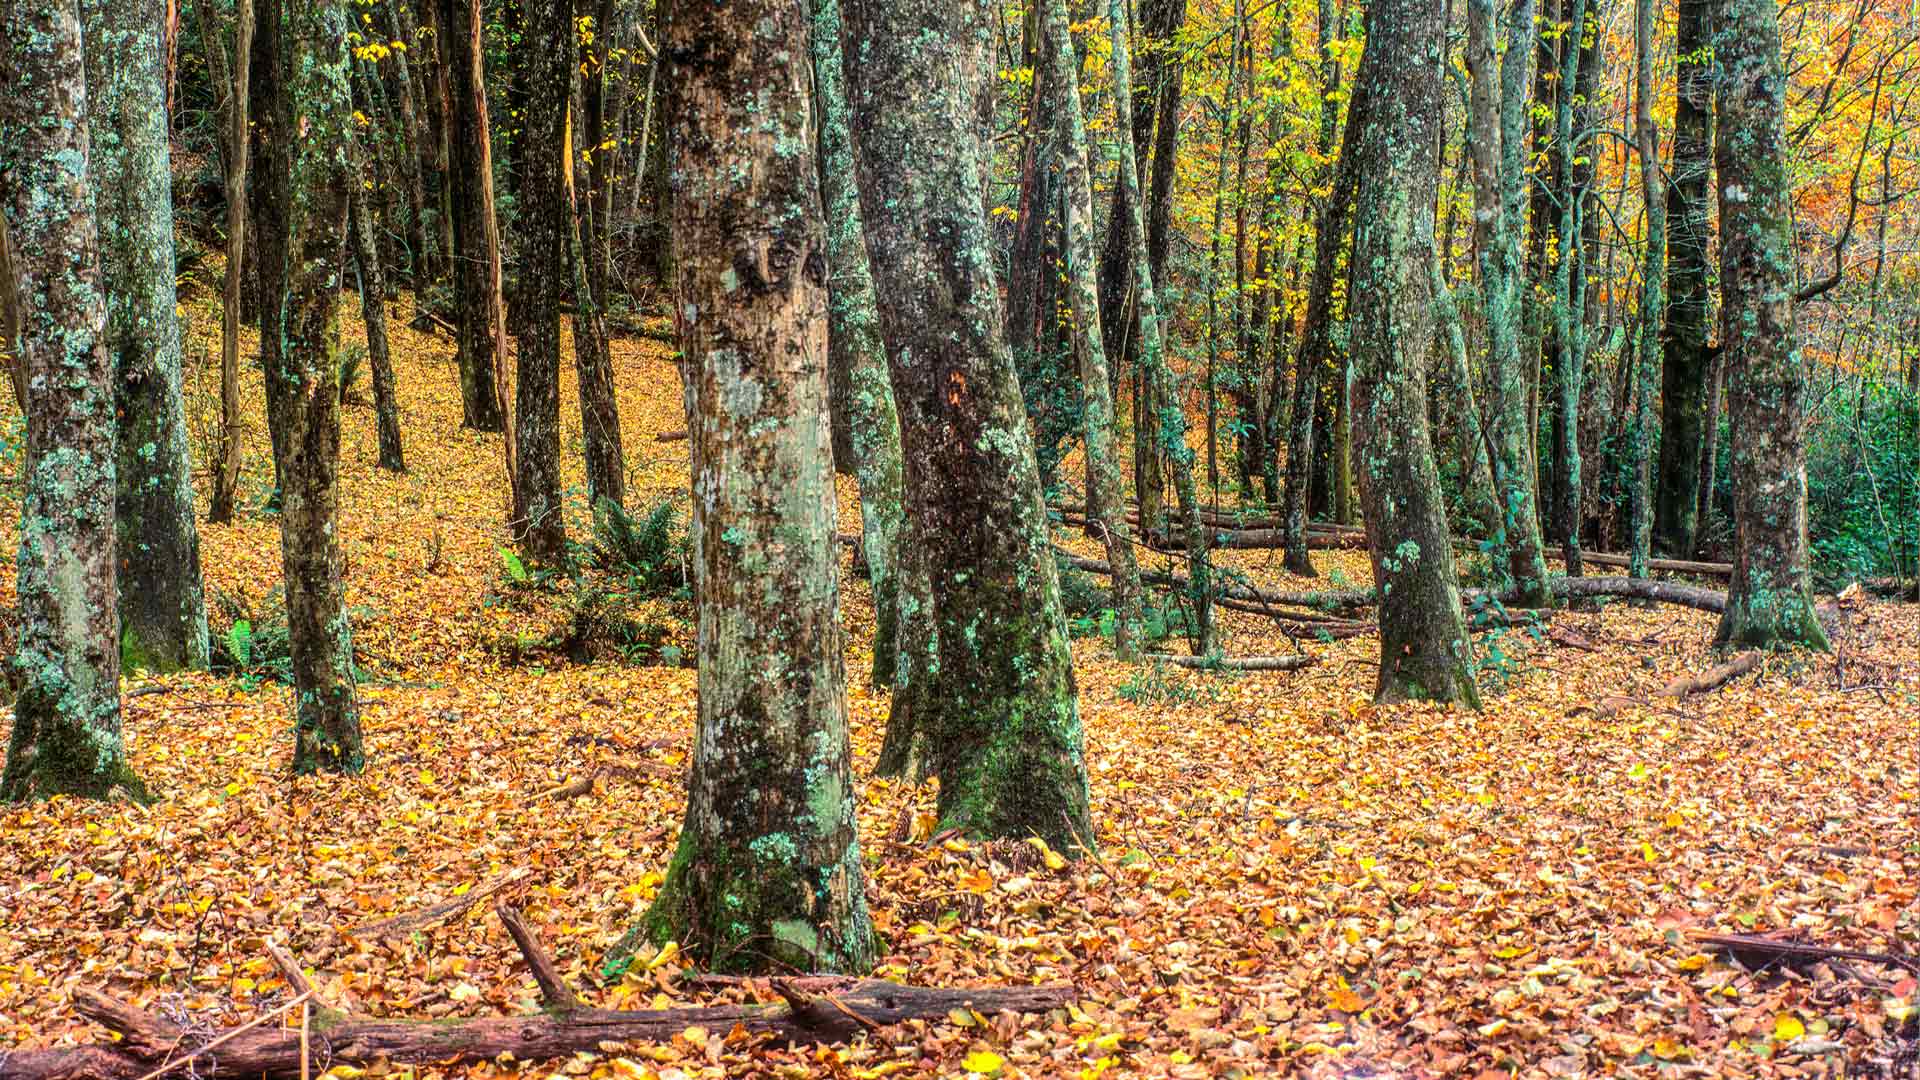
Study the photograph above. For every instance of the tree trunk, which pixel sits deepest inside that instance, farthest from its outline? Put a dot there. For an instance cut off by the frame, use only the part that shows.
(476, 232)
(999, 713)
(1769, 601)
(226, 466)
(305, 132)
(1683, 387)
(1577, 69)
(546, 223)
(853, 330)
(767, 874)
(593, 364)
(373, 310)
(163, 614)
(1106, 499)
(1496, 136)
(1315, 354)
(66, 717)
(1653, 290)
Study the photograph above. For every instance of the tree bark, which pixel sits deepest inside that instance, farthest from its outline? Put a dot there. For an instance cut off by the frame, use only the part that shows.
(1425, 654)
(476, 232)
(66, 715)
(998, 716)
(305, 128)
(767, 874)
(1653, 291)
(1770, 600)
(1106, 499)
(545, 219)
(853, 331)
(593, 364)
(1685, 374)
(226, 468)
(163, 613)
(373, 311)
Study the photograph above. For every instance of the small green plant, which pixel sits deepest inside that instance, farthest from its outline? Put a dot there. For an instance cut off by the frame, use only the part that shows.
(1155, 685)
(351, 361)
(649, 549)
(1494, 666)
(255, 646)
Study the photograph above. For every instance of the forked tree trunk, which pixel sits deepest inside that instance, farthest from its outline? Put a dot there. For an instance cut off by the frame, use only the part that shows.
(226, 466)
(66, 716)
(1770, 600)
(163, 613)
(545, 218)
(1106, 499)
(1424, 650)
(998, 716)
(767, 874)
(853, 340)
(301, 207)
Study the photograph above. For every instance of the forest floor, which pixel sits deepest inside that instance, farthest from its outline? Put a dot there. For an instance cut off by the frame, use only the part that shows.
(1289, 880)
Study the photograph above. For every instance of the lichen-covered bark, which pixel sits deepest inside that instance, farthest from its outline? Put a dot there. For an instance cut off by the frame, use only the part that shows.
(546, 71)
(303, 198)
(1683, 387)
(767, 875)
(476, 233)
(66, 717)
(373, 311)
(998, 708)
(1496, 136)
(163, 613)
(1769, 601)
(226, 466)
(853, 335)
(1578, 61)
(1106, 499)
(1314, 355)
(1653, 291)
(1424, 650)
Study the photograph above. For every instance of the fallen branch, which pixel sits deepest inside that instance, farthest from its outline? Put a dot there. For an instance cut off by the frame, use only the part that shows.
(440, 912)
(1714, 677)
(573, 789)
(1236, 663)
(1758, 951)
(1642, 589)
(815, 1010)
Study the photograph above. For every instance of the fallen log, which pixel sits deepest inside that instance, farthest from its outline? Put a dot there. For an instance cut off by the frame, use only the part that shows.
(1757, 951)
(1641, 589)
(1236, 663)
(1714, 677)
(813, 1010)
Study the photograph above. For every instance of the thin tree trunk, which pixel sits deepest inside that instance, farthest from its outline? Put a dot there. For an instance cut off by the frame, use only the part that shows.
(476, 233)
(66, 715)
(998, 718)
(593, 359)
(1653, 290)
(226, 469)
(1424, 650)
(373, 311)
(767, 874)
(1770, 599)
(163, 613)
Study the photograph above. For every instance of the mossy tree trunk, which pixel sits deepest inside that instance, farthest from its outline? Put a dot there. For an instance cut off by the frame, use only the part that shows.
(66, 717)
(1770, 600)
(1579, 58)
(546, 52)
(998, 712)
(373, 311)
(853, 335)
(1424, 650)
(1684, 384)
(476, 232)
(1653, 291)
(163, 612)
(1106, 498)
(301, 71)
(767, 875)
(1496, 135)
(1314, 356)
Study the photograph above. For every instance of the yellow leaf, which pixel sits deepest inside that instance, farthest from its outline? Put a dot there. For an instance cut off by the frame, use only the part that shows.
(1787, 1027)
(985, 1062)
(426, 776)
(1694, 962)
(1667, 1049)
(462, 888)
(1647, 852)
(1346, 1000)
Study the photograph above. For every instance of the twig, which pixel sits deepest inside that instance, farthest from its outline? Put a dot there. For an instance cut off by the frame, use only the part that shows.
(446, 909)
(553, 989)
(170, 1065)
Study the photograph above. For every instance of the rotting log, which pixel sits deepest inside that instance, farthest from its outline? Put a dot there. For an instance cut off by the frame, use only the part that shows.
(1714, 677)
(813, 1010)
(1236, 663)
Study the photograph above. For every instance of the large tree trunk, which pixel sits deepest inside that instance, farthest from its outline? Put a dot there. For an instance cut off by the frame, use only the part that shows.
(373, 311)
(1770, 600)
(767, 874)
(476, 232)
(1106, 498)
(1496, 137)
(163, 614)
(853, 332)
(998, 717)
(66, 717)
(1315, 354)
(1424, 650)
(305, 128)
(226, 466)
(545, 218)
(1683, 389)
